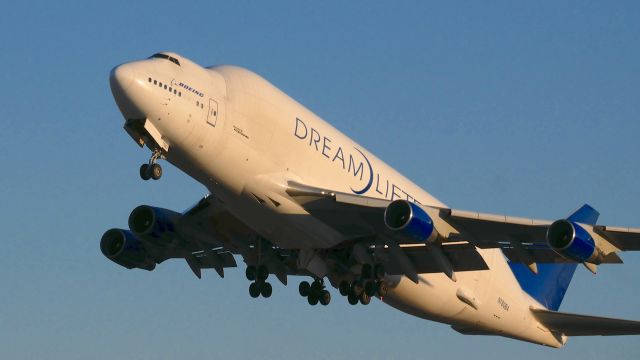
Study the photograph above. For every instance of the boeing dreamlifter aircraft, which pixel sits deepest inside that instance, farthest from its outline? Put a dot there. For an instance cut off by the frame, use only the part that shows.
(292, 195)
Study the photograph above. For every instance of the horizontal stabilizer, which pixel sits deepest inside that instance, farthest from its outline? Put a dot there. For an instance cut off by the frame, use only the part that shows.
(585, 325)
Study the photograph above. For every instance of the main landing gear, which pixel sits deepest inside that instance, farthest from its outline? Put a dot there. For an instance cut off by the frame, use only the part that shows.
(259, 286)
(152, 170)
(370, 283)
(315, 292)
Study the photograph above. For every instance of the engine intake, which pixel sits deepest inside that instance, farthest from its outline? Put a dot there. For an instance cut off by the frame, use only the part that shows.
(154, 222)
(571, 241)
(410, 221)
(125, 249)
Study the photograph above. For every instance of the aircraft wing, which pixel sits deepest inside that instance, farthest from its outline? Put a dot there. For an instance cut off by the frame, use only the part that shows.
(521, 240)
(585, 325)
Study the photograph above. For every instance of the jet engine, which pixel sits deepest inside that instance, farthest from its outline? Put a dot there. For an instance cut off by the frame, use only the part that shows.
(572, 241)
(410, 221)
(125, 249)
(152, 222)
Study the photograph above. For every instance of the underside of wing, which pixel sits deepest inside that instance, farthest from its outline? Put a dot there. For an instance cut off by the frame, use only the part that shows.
(585, 325)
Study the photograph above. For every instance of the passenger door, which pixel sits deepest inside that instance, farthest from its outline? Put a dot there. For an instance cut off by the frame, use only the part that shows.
(212, 115)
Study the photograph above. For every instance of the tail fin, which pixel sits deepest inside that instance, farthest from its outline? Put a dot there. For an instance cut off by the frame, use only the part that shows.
(551, 282)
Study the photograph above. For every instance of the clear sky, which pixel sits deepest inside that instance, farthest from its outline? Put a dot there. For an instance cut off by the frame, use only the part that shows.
(523, 108)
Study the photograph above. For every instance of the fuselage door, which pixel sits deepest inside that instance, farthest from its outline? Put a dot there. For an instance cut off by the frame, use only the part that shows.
(212, 115)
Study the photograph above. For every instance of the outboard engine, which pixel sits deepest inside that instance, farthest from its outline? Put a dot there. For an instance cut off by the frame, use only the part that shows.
(410, 221)
(572, 241)
(125, 249)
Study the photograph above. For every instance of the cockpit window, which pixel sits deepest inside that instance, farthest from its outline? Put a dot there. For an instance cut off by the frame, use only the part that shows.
(165, 56)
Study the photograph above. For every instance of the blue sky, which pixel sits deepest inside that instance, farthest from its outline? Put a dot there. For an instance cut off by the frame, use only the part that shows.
(529, 109)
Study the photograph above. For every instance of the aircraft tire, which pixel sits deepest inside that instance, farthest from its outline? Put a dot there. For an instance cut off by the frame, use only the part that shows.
(262, 272)
(370, 288)
(254, 290)
(156, 171)
(383, 288)
(356, 288)
(304, 288)
(344, 288)
(325, 297)
(365, 299)
(312, 299)
(266, 290)
(353, 300)
(250, 273)
(145, 174)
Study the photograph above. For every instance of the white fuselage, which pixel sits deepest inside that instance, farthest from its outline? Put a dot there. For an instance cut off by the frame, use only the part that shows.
(244, 139)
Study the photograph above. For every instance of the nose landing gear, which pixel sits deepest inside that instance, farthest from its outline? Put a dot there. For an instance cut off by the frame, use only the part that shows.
(152, 170)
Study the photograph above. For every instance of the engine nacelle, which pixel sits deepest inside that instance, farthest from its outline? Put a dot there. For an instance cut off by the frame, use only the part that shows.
(410, 221)
(157, 223)
(571, 241)
(125, 249)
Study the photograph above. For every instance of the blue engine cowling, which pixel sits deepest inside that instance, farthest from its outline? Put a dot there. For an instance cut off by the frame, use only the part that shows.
(571, 241)
(410, 221)
(152, 222)
(124, 248)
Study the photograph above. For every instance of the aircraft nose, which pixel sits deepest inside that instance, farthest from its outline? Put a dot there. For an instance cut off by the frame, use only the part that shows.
(120, 78)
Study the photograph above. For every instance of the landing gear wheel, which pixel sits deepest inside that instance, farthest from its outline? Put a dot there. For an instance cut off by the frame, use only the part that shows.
(262, 273)
(156, 171)
(316, 288)
(145, 174)
(356, 288)
(365, 299)
(353, 300)
(266, 290)
(254, 290)
(251, 272)
(304, 288)
(312, 299)
(370, 288)
(378, 271)
(344, 288)
(383, 288)
(325, 298)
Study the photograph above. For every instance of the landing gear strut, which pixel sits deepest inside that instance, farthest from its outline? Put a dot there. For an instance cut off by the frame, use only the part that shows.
(152, 170)
(315, 292)
(259, 286)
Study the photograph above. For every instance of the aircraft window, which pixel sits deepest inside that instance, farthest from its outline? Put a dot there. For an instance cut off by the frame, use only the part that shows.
(170, 89)
(179, 93)
(202, 106)
(175, 91)
(155, 82)
(149, 79)
(197, 103)
(166, 57)
(165, 86)
(160, 84)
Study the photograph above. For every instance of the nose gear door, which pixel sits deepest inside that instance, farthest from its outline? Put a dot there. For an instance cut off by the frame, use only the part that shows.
(212, 115)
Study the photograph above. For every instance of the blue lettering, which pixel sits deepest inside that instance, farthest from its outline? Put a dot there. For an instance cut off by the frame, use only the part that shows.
(325, 146)
(295, 132)
(312, 140)
(339, 155)
(356, 171)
